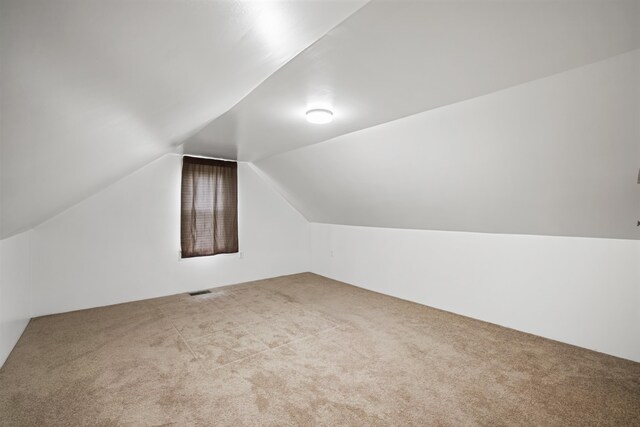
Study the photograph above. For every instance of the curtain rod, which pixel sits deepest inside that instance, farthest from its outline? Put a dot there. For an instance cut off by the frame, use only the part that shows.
(208, 157)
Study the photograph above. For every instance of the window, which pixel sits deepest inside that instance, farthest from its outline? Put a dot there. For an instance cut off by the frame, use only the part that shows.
(209, 213)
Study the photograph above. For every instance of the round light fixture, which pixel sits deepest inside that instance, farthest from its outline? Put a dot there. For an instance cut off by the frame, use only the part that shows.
(319, 116)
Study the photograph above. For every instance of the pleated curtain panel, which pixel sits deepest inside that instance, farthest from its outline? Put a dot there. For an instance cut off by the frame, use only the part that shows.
(209, 214)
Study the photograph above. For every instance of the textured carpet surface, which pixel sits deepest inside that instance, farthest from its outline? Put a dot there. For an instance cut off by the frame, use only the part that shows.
(303, 350)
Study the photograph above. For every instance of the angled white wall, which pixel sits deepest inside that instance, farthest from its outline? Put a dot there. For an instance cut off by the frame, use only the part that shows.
(581, 291)
(122, 243)
(15, 290)
(556, 156)
(392, 59)
(93, 90)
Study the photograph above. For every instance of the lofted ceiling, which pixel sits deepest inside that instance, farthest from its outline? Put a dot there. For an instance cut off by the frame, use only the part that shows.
(93, 89)
(392, 59)
(556, 156)
(430, 100)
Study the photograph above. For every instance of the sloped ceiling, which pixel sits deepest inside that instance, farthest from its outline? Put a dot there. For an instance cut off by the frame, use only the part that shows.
(436, 125)
(392, 59)
(93, 89)
(557, 156)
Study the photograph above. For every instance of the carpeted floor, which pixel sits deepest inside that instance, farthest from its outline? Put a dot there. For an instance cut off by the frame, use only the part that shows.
(303, 350)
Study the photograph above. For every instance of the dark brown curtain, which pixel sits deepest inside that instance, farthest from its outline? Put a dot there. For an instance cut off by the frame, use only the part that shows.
(209, 216)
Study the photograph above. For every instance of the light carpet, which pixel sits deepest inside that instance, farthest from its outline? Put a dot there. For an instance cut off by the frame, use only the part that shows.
(303, 350)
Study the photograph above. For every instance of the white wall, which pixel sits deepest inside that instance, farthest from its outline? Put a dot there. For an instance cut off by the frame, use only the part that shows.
(582, 291)
(122, 243)
(15, 290)
(84, 106)
(555, 156)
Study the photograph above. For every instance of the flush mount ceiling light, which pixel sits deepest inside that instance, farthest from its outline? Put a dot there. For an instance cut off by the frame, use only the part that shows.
(319, 116)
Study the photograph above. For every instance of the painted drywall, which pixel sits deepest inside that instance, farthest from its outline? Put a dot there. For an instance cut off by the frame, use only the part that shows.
(122, 243)
(556, 156)
(580, 291)
(15, 290)
(93, 90)
(396, 58)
